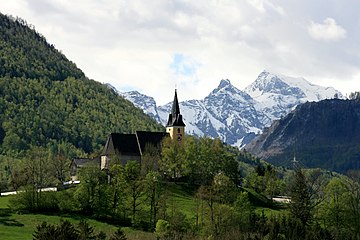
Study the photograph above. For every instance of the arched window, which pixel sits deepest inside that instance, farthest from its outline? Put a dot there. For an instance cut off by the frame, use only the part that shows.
(178, 130)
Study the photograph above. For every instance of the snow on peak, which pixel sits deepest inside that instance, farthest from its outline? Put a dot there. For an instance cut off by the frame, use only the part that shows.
(226, 90)
(276, 84)
(236, 116)
(224, 83)
(277, 94)
(142, 101)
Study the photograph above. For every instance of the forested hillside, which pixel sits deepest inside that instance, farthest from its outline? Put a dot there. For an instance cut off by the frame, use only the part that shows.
(322, 134)
(45, 99)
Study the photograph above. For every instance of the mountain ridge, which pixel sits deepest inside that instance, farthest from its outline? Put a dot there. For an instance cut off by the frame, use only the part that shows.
(236, 116)
(322, 134)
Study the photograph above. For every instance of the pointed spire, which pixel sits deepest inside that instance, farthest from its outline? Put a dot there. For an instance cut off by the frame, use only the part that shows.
(175, 118)
(175, 107)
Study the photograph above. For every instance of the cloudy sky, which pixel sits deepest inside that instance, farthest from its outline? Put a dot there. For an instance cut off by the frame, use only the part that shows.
(153, 46)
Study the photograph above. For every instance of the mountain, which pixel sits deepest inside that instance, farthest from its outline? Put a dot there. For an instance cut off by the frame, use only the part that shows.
(148, 104)
(225, 113)
(276, 94)
(45, 100)
(236, 116)
(323, 134)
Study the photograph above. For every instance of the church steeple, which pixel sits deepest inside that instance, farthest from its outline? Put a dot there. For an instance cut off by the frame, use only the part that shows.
(175, 125)
(175, 118)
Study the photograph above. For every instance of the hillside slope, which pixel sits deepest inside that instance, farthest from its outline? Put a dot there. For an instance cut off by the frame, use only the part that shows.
(323, 134)
(45, 99)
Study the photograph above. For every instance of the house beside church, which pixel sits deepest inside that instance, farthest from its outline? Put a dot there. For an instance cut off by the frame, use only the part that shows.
(78, 163)
(125, 147)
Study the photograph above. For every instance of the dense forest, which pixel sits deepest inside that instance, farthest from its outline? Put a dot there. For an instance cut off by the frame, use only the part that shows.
(45, 99)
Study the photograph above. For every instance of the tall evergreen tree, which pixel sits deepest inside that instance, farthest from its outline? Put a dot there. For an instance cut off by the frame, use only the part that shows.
(300, 205)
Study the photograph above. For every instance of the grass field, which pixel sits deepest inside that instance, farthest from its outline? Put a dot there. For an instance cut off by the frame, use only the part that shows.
(15, 226)
(181, 198)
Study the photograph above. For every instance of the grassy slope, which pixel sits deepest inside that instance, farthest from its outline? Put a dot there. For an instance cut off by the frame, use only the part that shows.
(16, 226)
(181, 199)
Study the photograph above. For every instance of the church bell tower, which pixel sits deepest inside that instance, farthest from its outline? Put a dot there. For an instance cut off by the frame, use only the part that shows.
(175, 125)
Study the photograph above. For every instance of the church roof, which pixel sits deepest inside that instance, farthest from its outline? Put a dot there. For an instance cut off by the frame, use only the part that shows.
(175, 118)
(121, 143)
(132, 144)
(153, 138)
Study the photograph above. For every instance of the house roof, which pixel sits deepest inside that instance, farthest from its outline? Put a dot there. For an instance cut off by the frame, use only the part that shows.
(175, 118)
(80, 162)
(153, 138)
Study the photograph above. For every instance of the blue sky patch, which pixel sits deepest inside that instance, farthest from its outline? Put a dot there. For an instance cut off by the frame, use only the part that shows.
(184, 65)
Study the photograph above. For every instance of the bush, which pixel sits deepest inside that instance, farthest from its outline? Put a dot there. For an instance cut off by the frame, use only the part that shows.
(162, 229)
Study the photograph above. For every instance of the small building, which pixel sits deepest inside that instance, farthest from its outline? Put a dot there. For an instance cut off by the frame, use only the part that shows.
(77, 163)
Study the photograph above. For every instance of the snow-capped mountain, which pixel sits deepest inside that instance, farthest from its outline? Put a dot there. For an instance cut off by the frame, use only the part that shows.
(276, 94)
(146, 103)
(236, 116)
(226, 113)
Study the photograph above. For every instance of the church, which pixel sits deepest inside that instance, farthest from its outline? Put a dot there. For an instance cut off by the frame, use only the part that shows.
(126, 147)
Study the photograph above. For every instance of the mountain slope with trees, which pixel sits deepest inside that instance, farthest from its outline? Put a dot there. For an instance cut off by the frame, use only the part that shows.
(321, 134)
(46, 100)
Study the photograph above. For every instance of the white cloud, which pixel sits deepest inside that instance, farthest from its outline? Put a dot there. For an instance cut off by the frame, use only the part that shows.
(258, 4)
(329, 30)
(132, 44)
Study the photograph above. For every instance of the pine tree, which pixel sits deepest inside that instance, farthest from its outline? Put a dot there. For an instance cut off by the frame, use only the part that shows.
(300, 205)
(118, 235)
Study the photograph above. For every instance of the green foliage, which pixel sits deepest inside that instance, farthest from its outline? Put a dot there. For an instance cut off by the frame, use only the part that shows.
(244, 210)
(92, 194)
(45, 100)
(162, 229)
(198, 160)
(76, 113)
(265, 179)
(301, 206)
(86, 232)
(173, 158)
(340, 208)
(118, 235)
(334, 209)
(25, 53)
(66, 231)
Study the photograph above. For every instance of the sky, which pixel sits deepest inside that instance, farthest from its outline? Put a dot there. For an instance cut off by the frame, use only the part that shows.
(159, 45)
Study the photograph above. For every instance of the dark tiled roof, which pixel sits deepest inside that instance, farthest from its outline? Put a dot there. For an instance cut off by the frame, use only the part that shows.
(132, 144)
(153, 138)
(121, 143)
